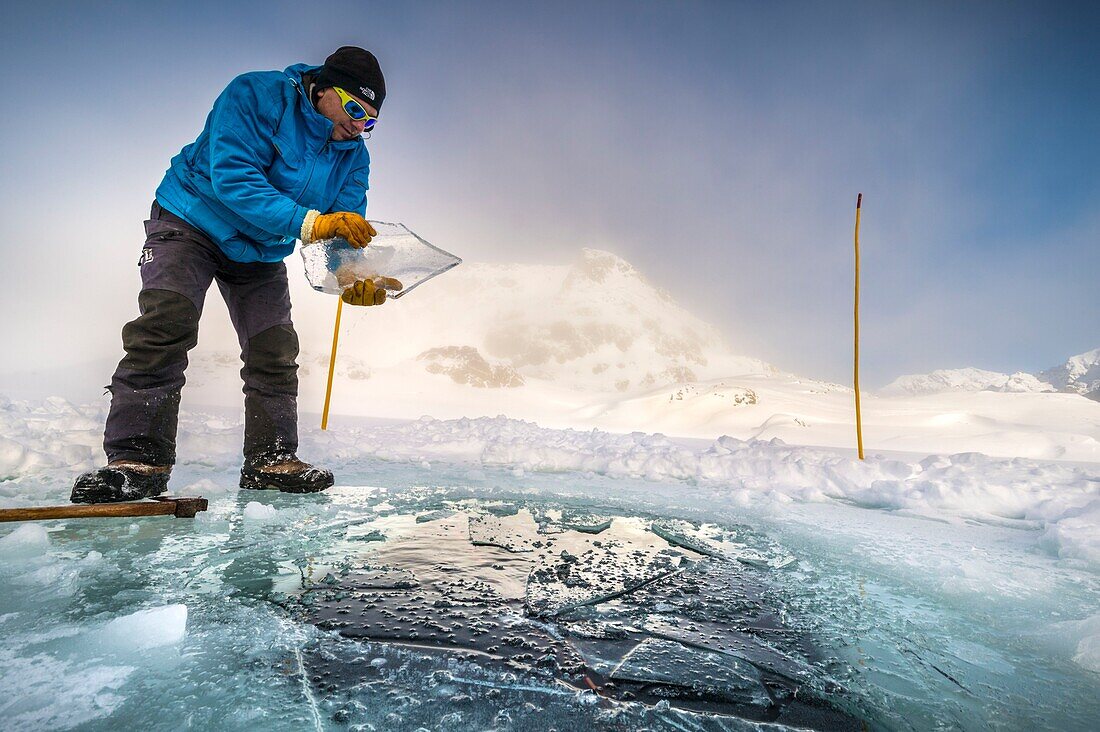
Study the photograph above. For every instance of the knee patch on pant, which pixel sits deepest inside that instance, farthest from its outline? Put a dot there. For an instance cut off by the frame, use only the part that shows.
(161, 336)
(270, 359)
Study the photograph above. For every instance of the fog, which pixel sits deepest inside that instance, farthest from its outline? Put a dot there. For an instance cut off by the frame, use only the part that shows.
(717, 147)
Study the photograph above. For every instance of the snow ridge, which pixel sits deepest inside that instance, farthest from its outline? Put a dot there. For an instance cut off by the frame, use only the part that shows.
(47, 443)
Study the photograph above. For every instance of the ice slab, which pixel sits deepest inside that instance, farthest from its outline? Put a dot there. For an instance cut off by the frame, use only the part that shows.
(720, 637)
(585, 521)
(27, 541)
(600, 573)
(259, 512)
(694, 670)
(370, 535)
(687, 536)
(375, 578)
(516, 533)
(151, 628)
(719, 546)
(437, 589)
(333, 265)
(433, 516)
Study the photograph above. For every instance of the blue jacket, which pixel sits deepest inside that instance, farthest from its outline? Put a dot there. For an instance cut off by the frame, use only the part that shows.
(263, 160)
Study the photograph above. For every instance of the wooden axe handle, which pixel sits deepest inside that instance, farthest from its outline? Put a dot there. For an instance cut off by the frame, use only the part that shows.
(179, 507)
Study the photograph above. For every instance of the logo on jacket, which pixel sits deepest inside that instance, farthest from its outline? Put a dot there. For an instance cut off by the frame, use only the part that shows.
(146, 256)
(368, 93)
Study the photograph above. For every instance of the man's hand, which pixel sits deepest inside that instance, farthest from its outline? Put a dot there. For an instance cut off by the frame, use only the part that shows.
(367, 292)
(347, 225)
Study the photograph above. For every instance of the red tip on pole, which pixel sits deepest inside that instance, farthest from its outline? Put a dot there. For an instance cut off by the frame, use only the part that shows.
(859, 200)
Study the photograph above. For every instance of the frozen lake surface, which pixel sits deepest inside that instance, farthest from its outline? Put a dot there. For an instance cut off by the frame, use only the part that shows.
(493, 574)
(444, 597)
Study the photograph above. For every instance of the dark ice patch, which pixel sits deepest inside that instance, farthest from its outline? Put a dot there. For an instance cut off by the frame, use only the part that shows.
(631, 613)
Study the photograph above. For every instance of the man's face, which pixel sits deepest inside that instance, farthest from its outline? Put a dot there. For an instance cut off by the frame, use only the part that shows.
(343, 126)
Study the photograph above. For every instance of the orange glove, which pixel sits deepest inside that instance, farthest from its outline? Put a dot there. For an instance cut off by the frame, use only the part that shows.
(366, 292)
(347, 225)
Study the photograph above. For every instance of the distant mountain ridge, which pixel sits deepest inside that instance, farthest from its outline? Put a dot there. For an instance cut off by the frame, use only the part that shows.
(1080, 374)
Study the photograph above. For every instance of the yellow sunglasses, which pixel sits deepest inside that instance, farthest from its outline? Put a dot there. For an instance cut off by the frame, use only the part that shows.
(355, 110)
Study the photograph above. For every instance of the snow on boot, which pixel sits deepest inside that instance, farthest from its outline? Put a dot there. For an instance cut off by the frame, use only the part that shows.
(121, 481)
(289, 476)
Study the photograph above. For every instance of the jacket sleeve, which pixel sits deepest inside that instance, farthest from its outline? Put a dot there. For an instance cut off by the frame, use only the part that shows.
(353, 194)
(242, 128)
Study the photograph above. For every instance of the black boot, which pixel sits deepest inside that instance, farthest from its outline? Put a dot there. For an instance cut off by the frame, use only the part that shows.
(288, 476)
(122, 481)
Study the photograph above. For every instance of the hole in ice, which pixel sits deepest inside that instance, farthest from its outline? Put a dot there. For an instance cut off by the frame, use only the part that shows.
(552, 598)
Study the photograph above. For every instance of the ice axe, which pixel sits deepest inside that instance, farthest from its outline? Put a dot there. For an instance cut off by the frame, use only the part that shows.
(180, 507)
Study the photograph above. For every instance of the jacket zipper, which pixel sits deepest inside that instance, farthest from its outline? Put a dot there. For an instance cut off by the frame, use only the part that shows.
(312, 169)
(313, 166)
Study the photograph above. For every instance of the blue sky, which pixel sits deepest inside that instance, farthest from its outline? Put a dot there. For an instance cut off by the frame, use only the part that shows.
(717, 146)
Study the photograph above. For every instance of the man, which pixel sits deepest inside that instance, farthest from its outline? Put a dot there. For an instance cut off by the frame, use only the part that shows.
(280, 158)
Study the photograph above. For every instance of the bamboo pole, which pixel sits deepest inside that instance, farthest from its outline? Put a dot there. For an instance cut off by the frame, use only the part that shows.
(332, 363)
(855, 368)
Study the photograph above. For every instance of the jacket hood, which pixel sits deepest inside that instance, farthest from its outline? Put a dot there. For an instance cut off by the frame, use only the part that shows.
(295, 71)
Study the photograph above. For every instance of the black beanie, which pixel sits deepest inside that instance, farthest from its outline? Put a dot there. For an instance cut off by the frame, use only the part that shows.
(357, 72)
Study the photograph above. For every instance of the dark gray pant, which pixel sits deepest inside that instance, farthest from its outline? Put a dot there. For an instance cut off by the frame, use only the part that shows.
(177, 265)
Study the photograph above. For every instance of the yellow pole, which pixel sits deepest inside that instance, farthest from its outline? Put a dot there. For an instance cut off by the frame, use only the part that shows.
(332, 363)
(855, 374)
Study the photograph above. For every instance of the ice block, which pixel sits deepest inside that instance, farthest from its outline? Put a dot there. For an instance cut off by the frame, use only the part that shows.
(332, 265)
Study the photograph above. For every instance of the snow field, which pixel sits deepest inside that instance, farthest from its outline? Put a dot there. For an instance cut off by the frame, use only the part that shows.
(47, 443)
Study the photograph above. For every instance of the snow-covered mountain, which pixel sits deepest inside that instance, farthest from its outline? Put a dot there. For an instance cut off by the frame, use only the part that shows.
(1080, 374)
(598, 325)
(967, 379)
